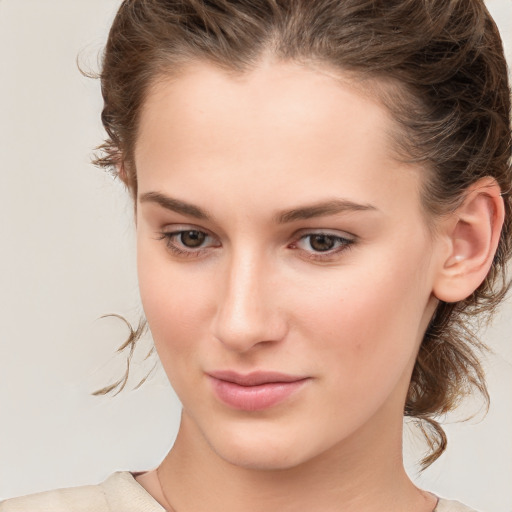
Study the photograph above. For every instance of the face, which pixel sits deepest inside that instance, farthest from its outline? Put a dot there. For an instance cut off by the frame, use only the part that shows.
(284, 261)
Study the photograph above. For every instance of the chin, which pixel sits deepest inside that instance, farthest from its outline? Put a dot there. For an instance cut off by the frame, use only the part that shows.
(260, 449)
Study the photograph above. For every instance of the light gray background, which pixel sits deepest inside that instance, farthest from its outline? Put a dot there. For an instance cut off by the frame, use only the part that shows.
(67, 257)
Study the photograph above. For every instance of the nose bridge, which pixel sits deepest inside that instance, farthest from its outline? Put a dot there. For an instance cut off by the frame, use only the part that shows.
(246, 315)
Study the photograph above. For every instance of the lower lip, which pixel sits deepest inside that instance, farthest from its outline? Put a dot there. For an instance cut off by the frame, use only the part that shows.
(254, 398)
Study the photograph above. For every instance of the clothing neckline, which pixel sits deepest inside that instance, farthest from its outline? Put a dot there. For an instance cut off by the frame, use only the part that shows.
(134, 474)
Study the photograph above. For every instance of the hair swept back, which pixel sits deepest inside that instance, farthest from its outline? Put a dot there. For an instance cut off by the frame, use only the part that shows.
(451, 101)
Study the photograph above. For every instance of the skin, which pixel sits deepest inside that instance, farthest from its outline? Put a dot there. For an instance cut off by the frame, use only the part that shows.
(257, 295)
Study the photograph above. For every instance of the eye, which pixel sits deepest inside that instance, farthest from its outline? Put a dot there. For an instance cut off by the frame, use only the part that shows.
(321, 242)
(322, 245)
(188, 242)
(192, 239)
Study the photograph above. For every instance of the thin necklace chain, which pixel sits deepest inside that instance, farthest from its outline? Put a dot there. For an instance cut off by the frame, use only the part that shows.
(168, 505)
(171, 509)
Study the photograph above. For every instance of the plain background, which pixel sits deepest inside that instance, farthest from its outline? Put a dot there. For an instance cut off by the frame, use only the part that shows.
(67, 258)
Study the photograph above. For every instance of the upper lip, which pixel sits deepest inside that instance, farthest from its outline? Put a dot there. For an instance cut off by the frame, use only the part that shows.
(256, 378)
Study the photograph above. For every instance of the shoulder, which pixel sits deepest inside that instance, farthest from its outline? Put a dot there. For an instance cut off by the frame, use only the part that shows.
(76, 499)
(449, 506)
(120, 491)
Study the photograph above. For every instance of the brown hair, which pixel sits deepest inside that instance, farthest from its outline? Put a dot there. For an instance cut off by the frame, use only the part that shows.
(450, 98)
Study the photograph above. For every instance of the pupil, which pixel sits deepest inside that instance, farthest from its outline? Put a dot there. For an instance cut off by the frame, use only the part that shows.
(322, 242)
(192, 238)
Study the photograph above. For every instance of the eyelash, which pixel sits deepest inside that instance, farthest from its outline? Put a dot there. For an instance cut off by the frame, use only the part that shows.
(170, 236)
(344, 244)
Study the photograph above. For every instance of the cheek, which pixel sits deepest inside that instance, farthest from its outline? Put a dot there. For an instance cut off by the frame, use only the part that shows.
(174, 302)
(173, 310)
(367, 320)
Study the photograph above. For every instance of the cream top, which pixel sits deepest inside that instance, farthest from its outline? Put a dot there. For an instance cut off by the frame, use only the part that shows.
(120, 492)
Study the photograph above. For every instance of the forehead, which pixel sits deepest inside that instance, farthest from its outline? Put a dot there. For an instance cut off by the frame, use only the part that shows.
(301, 100)
(281, 124)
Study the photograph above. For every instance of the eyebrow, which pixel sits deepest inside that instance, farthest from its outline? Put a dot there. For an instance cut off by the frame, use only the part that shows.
(330, 207)
(175, 205)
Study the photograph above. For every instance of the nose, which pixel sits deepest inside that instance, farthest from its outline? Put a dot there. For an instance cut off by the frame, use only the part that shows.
(248, 314)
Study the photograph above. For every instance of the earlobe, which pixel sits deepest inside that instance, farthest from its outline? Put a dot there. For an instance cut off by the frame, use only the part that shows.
(472, 232)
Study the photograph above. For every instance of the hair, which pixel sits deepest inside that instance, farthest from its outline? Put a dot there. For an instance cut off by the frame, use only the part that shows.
(440, 69)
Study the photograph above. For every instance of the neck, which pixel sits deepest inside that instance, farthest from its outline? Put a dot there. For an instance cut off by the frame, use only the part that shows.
(361, 475)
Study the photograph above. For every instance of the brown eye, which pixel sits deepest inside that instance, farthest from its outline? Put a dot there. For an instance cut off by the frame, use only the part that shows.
(192, 239)
(326, 247)
(322, 243)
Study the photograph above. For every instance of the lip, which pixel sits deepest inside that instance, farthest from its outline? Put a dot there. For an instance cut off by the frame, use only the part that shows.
(254, 391)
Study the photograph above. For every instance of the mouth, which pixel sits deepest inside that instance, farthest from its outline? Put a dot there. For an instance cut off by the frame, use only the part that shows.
(254, 391)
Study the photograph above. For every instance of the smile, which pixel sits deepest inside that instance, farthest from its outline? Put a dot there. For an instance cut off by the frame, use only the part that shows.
(255, 391)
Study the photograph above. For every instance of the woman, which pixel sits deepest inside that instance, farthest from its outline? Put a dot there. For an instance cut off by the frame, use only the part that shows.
(321, 200)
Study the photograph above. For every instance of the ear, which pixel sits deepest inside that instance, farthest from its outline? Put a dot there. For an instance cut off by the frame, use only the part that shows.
(472, 234)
